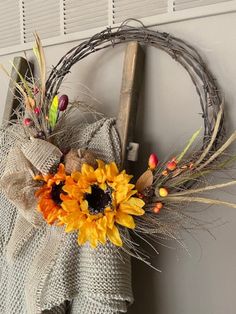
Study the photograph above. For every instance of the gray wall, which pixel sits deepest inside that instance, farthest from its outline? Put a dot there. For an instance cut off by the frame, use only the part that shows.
(202, 280)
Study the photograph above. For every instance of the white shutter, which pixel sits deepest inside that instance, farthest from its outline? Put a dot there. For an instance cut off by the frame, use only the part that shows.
(187, 4)
(60, 21)
(9, 23)
(124, 9)
(80, 15)
(42, 17)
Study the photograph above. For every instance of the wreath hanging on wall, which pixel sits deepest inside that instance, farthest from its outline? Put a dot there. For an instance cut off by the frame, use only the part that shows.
(68, 183)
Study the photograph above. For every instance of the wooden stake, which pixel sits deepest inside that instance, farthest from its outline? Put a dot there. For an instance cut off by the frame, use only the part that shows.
(130, 88)
(11, 101)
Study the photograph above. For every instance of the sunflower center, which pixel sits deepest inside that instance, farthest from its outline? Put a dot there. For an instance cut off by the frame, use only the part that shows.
(98, 199)
(56, 192)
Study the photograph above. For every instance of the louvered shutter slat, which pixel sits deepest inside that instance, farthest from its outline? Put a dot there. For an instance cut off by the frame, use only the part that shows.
(41, 17)
(41, 29)
(35, 5)
(121, 17)
(123, 9)
(8, 5)
(9, 15)
(9, 11)
(123, 4)
(7, 36)
(9, 23)
(88, 10)
(137, 9)
(41, 10)
(9, 41)
(90, 15)
(84, 15)
(43, 34)
(74, 4)
(10, 28)
(76, 23)
(83, 27)
(6, 19)
(41, 20)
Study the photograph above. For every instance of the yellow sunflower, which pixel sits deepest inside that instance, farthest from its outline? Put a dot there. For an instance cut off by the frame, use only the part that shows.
(97, 201)
(50, 195)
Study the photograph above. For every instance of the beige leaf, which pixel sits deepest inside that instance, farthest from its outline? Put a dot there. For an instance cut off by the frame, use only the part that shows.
(144, 181)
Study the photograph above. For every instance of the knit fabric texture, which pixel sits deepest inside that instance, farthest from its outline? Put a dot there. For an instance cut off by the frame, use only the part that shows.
(42, 267)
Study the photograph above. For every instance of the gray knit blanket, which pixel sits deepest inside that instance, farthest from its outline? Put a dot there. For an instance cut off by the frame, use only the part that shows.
(42, 268)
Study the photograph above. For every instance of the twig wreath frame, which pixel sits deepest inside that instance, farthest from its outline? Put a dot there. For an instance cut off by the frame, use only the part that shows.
(186, 55)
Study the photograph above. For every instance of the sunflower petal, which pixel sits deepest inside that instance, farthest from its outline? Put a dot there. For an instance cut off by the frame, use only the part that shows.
(100, 175)
(110, 219)
(102, 236)
(131, 209)
(102, 223)
(83, 236)
(70, 205)
(102, 229)
(103, 186)
(114, 236)
(135, 201)
(93, 235)
(121, 193)
(101, 164)
(76, 176)
(70, 228)
(111, 171)
(125, 220)
(87, 170)
(84, 206)
(73, 221)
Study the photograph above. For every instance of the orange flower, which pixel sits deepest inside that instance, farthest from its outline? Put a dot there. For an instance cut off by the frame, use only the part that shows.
(50, 195)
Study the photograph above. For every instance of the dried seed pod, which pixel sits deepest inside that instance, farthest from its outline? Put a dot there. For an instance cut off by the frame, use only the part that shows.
(153, 161)
(28, 122)
(37, 111)
(74, 160)
(156, 209)
(63, 102)
(163, 192)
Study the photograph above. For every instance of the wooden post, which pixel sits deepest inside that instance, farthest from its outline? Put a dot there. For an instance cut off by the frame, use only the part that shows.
(130, 88)
(12, 101)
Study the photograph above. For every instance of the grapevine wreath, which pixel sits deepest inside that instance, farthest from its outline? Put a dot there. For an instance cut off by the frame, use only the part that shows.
(69, 211)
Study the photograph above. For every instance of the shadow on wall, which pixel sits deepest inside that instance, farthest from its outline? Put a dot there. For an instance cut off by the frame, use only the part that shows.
(148, 284)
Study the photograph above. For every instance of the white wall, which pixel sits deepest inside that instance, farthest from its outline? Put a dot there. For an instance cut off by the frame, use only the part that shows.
(203, 282)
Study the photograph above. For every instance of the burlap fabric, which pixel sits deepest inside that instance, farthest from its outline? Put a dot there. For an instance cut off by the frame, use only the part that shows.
(40, 266)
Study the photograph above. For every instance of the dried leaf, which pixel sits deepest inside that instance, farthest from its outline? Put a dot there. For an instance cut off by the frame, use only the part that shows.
(21, 90)
(39, 53)
(204, 189)
(190, 142)
(230, 140)
(144, 181)
(23, 80)
(177, 172)
(30, 102)
(202, 200)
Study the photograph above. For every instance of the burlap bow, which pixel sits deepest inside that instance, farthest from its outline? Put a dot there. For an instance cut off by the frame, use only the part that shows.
(18, 181)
